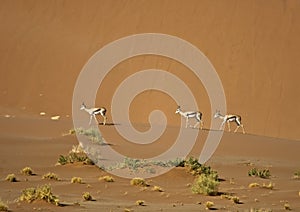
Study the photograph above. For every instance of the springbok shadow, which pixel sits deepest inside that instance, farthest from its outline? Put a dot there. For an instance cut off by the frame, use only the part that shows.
(109, 124)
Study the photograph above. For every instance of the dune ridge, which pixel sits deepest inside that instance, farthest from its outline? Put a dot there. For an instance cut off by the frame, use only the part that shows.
(253, 45)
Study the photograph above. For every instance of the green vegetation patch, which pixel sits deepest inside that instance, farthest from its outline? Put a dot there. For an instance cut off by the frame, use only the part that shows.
(263, 173)
(195, 168)
(74, 157)
(93, 134)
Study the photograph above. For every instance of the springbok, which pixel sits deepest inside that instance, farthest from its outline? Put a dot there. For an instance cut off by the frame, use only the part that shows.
(191, 114)
(230, 118)
(95, 111)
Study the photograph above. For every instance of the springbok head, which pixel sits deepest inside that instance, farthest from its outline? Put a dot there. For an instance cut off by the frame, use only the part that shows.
(82, 107)
(217, 114)
(178, 109)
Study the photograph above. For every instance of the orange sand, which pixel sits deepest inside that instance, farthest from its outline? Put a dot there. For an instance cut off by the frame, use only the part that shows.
(253, 45)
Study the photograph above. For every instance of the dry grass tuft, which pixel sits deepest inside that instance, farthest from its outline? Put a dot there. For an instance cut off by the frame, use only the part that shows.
(3, 206)
(137, 181)
(27, 171)
(11, 178)
(51, 176)
(140, 202)
(268, 186)
(87, 196)
(76, 180)
(253, 185)
(209, 205)
(287, 206)
(157, 188)
(296, 175)
(234, 199)
(107, 178)
(40, 193)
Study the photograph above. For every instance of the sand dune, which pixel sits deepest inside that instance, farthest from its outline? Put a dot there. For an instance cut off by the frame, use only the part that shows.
(235, 156)
(253, 46)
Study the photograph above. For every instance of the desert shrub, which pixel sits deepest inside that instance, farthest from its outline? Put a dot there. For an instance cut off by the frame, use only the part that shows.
(209, 205)
(252, 172)
(50, 176)
(264, 173)
(196, 168)
(62, 160)
(157, 188)
(3, 206)
(11, 178)
(27, 171)
(80, 157)
(193, 165)
(29, 195)
(107, 178)
(87, 196)
(74, 157)
(140, 202)
(137, 181)
(40, 193)
(206, 184)
(76, 180)
(178, 162)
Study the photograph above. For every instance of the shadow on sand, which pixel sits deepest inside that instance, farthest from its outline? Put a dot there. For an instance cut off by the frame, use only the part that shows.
(109, 124)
